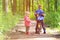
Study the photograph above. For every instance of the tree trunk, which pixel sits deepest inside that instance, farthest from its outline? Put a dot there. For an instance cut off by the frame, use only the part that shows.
(14, 7)
(48, 5)
(19, 7)
(11, 3)
(55, 5)
(5, 5)
(23, 6)
(27, 4)
(32, 5)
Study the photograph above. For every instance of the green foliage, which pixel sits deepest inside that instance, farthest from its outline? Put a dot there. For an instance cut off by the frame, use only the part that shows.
(32, 16)
(7, 22)
(52, 19)
(2, 37)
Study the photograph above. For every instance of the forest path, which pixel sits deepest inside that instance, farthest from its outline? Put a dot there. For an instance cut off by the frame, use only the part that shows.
(18, 33)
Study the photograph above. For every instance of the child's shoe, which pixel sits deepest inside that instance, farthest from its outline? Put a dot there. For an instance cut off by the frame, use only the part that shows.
(27, 33)
(44, 31)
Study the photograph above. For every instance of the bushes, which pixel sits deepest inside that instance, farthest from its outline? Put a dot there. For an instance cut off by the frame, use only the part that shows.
(7, 22)
(32, 16)
(52, 19)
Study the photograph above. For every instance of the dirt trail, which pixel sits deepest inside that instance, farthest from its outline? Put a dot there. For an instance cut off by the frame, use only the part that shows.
(18, 33)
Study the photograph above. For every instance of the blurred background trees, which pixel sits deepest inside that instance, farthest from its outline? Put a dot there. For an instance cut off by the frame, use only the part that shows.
(50, 7)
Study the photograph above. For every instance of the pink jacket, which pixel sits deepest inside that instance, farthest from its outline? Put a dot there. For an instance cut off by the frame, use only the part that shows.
(27, 21)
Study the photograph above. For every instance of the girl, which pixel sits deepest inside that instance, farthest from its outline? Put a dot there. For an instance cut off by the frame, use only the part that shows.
(27, 22)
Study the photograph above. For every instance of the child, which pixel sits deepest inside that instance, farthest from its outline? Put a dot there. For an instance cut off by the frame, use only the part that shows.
(38, 30)
(27, 22)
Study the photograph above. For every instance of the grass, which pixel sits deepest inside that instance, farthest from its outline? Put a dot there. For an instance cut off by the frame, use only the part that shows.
(2, 37)
(53, 30)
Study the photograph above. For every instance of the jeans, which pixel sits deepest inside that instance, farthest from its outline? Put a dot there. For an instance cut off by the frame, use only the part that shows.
(41, 23)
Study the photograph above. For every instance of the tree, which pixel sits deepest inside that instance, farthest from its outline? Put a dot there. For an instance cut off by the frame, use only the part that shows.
(48, 4)
(27, 4)
(32, 4)
(14, 6)
(24, 5)
(5, 5)
(55, 5)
